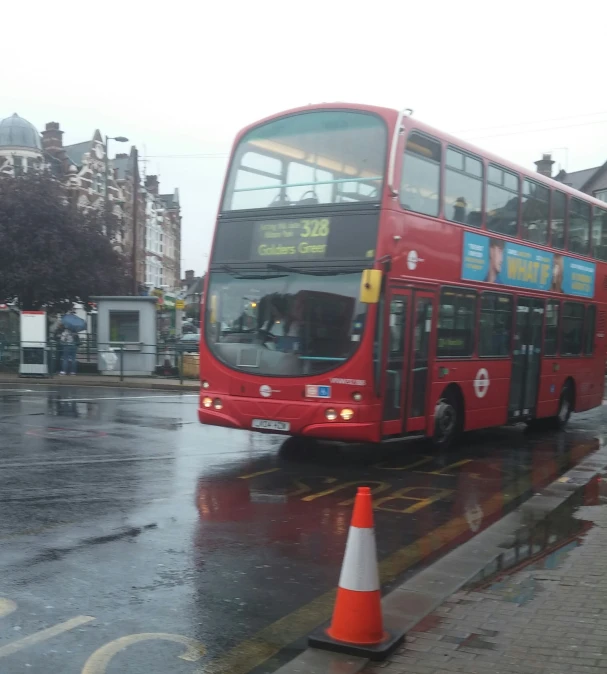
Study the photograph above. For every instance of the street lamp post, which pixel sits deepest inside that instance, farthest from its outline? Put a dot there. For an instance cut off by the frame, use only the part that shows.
(118, 139)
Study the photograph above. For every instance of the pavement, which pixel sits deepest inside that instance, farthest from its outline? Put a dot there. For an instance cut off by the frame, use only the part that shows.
(549, 617)
(149, 383)
(134, 539)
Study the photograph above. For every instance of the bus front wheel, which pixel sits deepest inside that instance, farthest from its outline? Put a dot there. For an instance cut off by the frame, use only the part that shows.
(447, 420)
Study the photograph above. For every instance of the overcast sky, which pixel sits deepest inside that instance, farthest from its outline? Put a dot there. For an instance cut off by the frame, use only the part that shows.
(180, 78)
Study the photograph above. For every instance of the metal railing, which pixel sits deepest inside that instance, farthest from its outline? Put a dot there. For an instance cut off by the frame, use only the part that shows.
(122, 359)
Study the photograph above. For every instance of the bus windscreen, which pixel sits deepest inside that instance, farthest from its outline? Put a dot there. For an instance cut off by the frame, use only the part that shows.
(306, 159)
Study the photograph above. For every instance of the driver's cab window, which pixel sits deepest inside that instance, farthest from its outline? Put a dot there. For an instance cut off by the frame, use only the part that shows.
(420, 179)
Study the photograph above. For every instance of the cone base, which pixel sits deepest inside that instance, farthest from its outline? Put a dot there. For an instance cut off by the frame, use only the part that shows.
(320, 639)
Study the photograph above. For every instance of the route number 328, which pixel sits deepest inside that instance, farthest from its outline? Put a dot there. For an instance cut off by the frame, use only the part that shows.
(315, 228)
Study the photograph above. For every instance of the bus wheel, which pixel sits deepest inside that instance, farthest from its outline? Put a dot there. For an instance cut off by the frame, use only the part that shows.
(447, 421)
(565, 407)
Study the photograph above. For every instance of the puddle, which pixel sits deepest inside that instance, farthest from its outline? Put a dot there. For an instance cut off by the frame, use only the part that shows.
(540, 544)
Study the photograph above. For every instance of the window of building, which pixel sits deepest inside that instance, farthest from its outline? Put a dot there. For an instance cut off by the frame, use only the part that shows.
(557, 220)
(495, 324)
(572, 329)
(599, 233)
(551, 336)
(502, 200)
(420, 181)
(456, 320)
(601, 194)
(579, 227)
(589, 323)
(18, 166)
(124, 326)
(536, 211)
(463, 198)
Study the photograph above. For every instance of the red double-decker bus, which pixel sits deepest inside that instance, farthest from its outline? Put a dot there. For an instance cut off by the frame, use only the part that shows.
(372, 278)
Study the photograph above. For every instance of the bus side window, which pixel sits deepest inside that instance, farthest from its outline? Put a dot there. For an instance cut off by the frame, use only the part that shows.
(463, 198)
(456, 321)
(599, 234)
(502, 201)
(536, 208)
(572, 329)
(420, 180)
(551, 336)
(578, 240)
(557, 220)
(495, 324)
(589, 324)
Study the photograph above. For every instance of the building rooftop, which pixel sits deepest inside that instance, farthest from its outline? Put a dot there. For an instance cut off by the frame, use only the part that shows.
(19, 133)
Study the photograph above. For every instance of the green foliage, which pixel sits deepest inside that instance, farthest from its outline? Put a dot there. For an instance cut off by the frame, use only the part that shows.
(52, 253)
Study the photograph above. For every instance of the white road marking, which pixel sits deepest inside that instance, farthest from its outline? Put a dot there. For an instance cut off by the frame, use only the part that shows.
(44, 635)
(127, 398)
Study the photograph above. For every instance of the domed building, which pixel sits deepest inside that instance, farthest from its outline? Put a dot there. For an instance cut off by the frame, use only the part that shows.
(20, 146)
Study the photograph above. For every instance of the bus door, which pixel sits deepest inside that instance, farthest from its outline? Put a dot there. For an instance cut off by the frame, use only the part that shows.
(526, 357)
(406, 361)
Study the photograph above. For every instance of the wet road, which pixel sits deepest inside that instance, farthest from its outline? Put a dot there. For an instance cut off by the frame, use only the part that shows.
(133, 539)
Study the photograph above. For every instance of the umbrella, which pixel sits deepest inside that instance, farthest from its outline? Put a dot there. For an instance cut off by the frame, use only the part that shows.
(73, 323)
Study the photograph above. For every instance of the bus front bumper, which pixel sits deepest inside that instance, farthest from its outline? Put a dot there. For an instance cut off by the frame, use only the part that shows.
(345, 431)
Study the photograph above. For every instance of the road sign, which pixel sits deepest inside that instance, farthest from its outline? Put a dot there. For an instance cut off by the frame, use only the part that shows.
(179, 304)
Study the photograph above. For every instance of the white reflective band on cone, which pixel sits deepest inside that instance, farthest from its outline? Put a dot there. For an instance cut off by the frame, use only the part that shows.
(359, 570)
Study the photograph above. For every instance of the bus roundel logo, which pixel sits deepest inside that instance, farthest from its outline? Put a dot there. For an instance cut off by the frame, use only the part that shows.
(481, 383)
(265, 390)
(412, 260)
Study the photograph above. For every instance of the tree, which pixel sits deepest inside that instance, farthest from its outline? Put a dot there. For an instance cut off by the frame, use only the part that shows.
(51, 253)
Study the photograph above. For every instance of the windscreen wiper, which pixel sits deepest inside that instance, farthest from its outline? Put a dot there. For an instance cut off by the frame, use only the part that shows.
(236, 274)
(316, 271)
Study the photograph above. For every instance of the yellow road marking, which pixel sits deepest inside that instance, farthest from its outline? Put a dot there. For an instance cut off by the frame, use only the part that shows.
(271, 639)
(7, 606)
(44, 635)
(261, 472)
(442, 471)
(100, 659)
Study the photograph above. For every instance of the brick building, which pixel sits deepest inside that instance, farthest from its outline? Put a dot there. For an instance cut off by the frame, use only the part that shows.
(156, 233)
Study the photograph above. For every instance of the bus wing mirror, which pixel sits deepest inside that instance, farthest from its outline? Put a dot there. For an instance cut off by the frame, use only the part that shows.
(370, 286)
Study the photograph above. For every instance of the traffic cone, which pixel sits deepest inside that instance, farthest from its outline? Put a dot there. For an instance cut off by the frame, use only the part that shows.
(357, 624)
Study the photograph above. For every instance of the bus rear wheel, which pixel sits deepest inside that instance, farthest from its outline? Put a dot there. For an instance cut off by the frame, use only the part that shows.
(447, 421)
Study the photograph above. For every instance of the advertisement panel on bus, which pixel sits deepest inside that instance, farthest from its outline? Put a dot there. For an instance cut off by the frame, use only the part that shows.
(494, 260)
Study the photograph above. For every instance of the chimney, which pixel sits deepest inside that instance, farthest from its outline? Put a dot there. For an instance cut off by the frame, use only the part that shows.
(544, 165)
(189, 276)
(52, 138)
(151, 184)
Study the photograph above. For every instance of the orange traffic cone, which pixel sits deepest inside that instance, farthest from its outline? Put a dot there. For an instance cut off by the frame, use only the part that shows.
(357, 624)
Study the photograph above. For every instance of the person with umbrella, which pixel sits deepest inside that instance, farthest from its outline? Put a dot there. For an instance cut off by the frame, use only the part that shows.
(69, 339)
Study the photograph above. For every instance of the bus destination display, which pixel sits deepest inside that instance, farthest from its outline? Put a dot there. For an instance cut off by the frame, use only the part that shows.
(304, 239)
(338, 236)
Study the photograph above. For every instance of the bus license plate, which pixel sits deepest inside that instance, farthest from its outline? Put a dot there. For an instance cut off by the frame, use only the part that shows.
(269, 425)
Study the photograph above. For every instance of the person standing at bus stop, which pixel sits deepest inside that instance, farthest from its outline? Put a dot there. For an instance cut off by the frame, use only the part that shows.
(69, 345)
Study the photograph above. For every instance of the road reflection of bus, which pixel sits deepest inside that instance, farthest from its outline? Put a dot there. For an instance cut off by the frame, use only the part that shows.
(307, 516)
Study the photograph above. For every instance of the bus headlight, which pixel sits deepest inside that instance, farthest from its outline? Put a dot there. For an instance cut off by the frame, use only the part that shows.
(217, 404)
(346, 414)
(207, 402)
(331, 414)
(357, 397)
(205, 384)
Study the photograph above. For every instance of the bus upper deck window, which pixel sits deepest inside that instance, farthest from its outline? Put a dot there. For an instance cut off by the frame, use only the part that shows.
(420, 180)
(310, 158)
